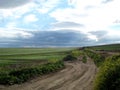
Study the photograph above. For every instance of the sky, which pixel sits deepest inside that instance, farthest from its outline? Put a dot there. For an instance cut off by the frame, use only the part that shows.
(63, 23)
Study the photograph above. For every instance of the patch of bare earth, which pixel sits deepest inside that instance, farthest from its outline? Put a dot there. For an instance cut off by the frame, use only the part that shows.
(76, 76)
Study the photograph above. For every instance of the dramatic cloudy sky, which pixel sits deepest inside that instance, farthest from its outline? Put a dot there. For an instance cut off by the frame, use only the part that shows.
(35, 23)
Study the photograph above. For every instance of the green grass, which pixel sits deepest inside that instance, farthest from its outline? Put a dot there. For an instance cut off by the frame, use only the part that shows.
(14, 51)
(108, 77)
(21, 54)
(111, 47)
(84, 60)
(22, 75)
(18, 65)
(97, 58)
(17, 55)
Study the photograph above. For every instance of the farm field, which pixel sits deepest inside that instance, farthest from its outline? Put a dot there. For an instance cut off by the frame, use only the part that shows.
(10, 56)
(29, 63)
(83, 73)
(111, 47)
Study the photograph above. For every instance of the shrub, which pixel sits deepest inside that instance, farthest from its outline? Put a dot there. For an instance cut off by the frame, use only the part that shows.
(108, 77)
(73, 55)
(84, 60)
(76, 53)
(20, 76)
(98, 59)
(69, 58)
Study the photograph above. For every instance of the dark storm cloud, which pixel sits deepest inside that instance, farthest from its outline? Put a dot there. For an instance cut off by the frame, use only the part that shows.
(64, 38)
(5, 4)
(67, 24)
(50, 38)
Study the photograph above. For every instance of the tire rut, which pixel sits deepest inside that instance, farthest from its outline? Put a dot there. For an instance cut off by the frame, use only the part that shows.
(76, 76)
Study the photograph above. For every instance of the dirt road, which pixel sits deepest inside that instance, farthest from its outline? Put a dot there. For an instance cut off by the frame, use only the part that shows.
(76, 76)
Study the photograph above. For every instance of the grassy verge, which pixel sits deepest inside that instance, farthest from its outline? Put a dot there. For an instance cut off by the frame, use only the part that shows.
(98, 59)
(20, 76)
(108, 77)
(84, 60)
(73, 55)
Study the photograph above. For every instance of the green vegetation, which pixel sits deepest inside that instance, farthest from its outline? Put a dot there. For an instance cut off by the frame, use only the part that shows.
(20, 76)
(69, 57)
(22, 51)
(108, 77)
(111, 47)
(77, 53)
(98, 59)
(84, 60)
(18, 65)
(10, 56)
(73, 55)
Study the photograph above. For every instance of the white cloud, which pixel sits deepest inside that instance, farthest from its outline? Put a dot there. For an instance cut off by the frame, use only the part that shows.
(17, 12)
(44, 6)
(92, 37)
(93, 14)
(30, 18)
(113, 34)
(100, 16)
(71, 2)
(85, 16)
(14, 33)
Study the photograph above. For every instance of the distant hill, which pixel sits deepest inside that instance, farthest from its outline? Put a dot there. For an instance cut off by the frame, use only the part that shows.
(109, 47)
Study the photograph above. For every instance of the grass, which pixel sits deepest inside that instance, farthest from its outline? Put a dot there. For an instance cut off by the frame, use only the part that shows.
(23, 75)
(111, 47)
(18, 55)
(97, 58)
(31, 62)
(14, 51)
(18, 65)
(19, 58)
(108, 77)
(84, 60)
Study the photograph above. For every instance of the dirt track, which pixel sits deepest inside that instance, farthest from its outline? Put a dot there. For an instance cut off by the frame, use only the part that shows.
(76, 76)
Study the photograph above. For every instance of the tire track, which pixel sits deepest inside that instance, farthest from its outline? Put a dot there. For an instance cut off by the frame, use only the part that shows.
(76, 76)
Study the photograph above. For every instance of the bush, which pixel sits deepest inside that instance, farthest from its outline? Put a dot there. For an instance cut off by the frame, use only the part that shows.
(76, 53)
(73, 55)
(98, 59)
(108, 77)
(84, 60)
(20, 76)
(69, 58)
